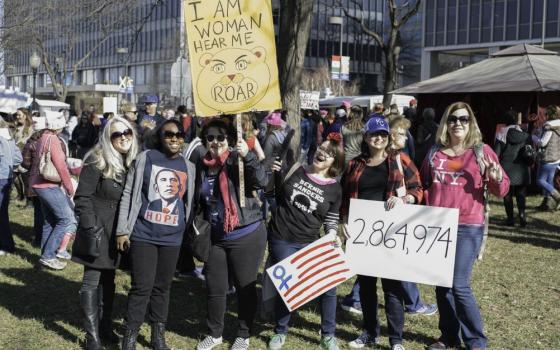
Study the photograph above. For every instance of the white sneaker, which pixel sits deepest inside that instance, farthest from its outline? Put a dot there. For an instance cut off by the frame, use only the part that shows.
(397, 347)
(364, 339)
(3, 252)
(64, 255)
(208, 343)
(240, 344)
(54, 264)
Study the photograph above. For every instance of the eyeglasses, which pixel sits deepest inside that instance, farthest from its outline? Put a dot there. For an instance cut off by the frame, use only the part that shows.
(119, 134)
(326, 152)
(219, 138)
(381, 134)
(463, 120)
(170, 134)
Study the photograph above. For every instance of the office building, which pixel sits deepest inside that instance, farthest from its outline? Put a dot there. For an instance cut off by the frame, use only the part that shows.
(462, 32)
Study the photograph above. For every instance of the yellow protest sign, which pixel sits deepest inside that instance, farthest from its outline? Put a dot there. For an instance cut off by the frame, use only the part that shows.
(232, 56)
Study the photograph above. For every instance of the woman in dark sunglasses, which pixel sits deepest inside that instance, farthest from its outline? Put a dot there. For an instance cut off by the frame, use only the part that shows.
(96, 202)
(456, 173)
(154, 211)
(238, 234)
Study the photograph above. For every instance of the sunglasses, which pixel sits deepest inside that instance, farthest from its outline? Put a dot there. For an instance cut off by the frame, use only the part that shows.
(119, 134)
(381, 134)
(170, 134)
(464, 119)
(219, 138)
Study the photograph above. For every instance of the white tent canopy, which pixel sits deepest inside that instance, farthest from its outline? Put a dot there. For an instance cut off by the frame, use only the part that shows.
(11, 100)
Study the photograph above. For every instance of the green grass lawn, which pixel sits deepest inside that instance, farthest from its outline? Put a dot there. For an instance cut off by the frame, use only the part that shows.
(517, 286)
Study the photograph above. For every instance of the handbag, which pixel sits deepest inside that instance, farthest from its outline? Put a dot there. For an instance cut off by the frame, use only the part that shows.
(88, 241)
(528, 154)
(199, 238)
(46, 166)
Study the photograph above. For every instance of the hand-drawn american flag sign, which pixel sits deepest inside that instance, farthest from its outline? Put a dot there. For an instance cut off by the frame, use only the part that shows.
(310, 272)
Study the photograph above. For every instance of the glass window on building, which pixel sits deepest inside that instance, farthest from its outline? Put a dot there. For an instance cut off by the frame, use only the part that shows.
(474, 32)
(538, 6)
(440, 22)
(451, 21)
(499, 20)
(511, 20)
(430, 20)
(486, 13)
(524, 19)
(552, 9)
(463, 22)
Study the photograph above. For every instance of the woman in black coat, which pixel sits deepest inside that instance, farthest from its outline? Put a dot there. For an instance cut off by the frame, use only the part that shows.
(509, 149)
(96, 202)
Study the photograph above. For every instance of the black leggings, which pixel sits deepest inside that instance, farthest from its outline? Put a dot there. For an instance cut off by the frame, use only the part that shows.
(152, 268)
(520, 193)
(242, 258)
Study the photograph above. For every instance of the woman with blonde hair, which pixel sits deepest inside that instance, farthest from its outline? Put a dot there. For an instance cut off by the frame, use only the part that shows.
(352, 133)
(99, 191)
(549, 143)
(456, 174)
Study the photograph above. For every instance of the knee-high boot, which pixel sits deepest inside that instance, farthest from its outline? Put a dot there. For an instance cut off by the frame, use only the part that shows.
(508, 205)
(129, 339)
(105, 301)
(88, 302)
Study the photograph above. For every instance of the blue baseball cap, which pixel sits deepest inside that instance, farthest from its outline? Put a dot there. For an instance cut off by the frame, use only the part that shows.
(151, 99)
(376, 124)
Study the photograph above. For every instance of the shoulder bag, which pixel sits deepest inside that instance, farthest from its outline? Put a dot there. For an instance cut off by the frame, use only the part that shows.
(88, 241)
(46, 166)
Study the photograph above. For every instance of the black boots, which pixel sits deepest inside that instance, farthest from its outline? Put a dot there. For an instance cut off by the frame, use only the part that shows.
(88, 302)
(129, 340)
(508, 205)
(105, 297)
(158, 336)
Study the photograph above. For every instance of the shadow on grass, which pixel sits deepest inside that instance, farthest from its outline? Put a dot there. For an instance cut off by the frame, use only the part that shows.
(527, 235)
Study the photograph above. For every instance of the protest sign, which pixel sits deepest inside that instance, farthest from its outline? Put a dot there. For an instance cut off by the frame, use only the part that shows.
(232, 56)
(309, 99)
(408, 243)
(310, 272)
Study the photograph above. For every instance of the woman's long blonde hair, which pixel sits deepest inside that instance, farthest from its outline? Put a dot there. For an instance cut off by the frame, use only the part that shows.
(107, 159)
(474, 136)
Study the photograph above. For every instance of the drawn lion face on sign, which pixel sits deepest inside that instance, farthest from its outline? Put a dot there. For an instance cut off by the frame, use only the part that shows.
(237, 79)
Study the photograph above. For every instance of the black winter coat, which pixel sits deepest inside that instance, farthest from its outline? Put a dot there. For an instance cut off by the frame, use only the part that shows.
(511, 159)
(96, 204)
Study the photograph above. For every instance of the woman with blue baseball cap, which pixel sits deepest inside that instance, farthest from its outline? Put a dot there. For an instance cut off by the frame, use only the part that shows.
(380, 174)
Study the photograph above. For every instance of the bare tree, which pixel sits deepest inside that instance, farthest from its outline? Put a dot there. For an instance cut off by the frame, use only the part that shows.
(390, 41)
(295, 23)
(67, 35)
(320, 79)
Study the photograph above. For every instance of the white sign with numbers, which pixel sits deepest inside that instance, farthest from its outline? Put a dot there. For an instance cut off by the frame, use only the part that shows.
(408, 243)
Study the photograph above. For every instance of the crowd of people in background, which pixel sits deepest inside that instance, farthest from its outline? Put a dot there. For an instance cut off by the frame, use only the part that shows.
(127, 188)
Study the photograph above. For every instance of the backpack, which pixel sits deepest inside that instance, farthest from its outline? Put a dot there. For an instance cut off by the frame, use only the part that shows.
(479, 154)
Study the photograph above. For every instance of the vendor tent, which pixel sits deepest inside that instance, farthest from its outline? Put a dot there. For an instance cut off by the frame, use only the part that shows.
(522, 78)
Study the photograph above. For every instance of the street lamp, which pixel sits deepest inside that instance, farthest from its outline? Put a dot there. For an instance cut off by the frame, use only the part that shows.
(337, 20)
(35, 63)
(123, 51)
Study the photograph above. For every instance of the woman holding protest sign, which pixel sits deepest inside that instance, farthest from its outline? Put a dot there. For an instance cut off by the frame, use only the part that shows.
(154, 211)
(380, 174)
(308, 198)
(238, 234)
(464, 168)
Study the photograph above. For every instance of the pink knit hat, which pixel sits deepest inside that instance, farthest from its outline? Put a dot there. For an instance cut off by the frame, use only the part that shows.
(323, 112)
(346, 104)
(274, 119)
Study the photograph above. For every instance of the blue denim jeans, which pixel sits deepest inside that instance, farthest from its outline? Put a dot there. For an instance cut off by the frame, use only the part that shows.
(412, 301)
(58, 219)
(394, 308)
(280, 250)
(459, 315)
(545, 177)
(6, 239)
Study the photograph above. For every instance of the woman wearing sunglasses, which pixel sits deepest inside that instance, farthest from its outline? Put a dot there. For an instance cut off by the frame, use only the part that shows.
(238, 234)
(96, 202)
(380, 174)
(453, 177)
(154, 211)
(308, 198)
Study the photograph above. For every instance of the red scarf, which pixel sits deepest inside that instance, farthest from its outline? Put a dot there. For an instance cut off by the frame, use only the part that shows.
(231, 220)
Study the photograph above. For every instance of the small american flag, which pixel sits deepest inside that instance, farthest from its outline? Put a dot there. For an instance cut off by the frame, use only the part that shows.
(310, 272)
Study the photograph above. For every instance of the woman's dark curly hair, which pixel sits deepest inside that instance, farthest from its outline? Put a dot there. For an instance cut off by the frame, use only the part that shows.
(225, 126)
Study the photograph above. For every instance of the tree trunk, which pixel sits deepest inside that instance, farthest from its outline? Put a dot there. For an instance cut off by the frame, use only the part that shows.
(389, 77)
(295, 23)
